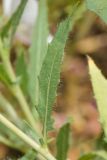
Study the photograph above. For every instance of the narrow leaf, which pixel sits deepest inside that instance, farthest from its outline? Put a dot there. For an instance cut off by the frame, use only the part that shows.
(50, 74)
(38, 50)
(100, 91)
(12, 24)
(63, 142)
(21, 71)
(3, 76)
(99, 7)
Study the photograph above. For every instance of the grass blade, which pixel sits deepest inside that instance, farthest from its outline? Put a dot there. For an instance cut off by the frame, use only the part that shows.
(63, 142)
(38, 50)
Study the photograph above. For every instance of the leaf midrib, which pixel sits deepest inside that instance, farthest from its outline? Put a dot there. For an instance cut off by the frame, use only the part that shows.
(48, 90)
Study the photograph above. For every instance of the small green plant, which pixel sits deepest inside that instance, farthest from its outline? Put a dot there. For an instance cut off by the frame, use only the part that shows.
(38, 82)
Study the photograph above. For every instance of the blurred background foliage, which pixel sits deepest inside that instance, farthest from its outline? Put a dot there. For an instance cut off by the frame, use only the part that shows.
(75, 96)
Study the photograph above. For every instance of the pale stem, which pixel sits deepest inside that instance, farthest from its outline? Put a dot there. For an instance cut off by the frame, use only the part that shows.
(9, 109)
(15, 88)
(44, 152)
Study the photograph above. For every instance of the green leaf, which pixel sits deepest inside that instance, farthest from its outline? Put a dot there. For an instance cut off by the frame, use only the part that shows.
(100, 91)
(50, 74)
(99, 7)
(12, 24)
(3, 76)
(99, 155)
(29, 156)
(38, 50)
(63, 142)
(21, 71)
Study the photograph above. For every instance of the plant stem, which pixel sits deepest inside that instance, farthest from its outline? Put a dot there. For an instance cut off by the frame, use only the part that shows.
(15, 88)
(8, 143)
(18, 94)
(5, 141)
(26, 139)
(9, 109)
